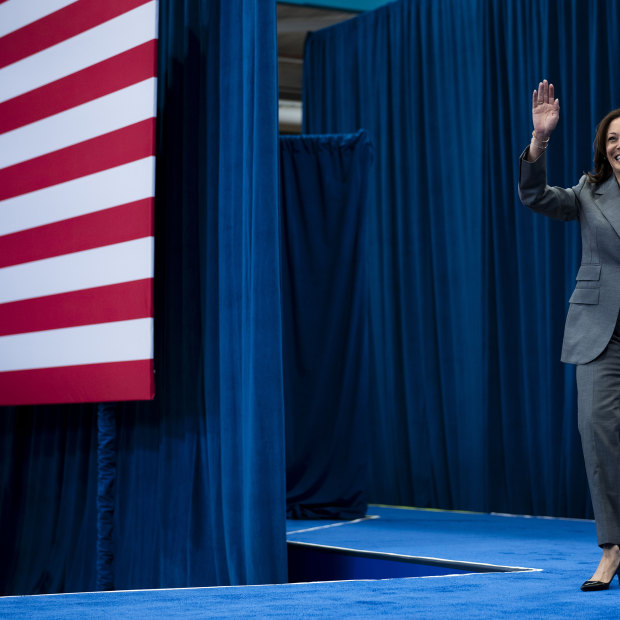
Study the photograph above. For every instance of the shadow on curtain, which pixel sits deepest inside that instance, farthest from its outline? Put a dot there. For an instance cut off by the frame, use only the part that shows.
(470, 405)
(324, 206)
(200, 489)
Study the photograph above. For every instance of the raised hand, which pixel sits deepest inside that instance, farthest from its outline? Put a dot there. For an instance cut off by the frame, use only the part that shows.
(545, 110)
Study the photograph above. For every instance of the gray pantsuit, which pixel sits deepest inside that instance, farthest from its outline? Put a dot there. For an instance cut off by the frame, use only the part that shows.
(592, 332)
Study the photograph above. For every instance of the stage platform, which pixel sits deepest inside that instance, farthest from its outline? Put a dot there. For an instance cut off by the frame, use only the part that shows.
(540, 564)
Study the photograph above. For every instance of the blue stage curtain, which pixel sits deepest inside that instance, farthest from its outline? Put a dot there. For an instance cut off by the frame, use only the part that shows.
(200, 488)
(325, 323)
(48, 499)
(470, 405)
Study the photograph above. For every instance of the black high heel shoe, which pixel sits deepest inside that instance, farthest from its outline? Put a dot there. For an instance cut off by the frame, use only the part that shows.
(593, 586)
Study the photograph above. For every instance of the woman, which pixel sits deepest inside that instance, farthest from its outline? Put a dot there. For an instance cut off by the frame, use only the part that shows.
(592, 332)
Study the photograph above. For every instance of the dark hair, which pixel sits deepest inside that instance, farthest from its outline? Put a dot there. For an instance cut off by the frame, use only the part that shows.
(602, 168)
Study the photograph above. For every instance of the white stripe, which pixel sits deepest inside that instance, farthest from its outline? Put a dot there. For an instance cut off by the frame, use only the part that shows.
(111, 264)
(16, 14)
(88, 194)
(330, 525)
(426, 560)
(83, 50)
(97, 595)
(119, 341)
(97, 117)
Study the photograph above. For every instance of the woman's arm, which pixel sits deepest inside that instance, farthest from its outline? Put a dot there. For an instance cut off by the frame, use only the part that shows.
(554, 202)
(545, 117)
(557, 203)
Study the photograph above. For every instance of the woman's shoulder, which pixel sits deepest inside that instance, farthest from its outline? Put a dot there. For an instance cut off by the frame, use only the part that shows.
(584, 185)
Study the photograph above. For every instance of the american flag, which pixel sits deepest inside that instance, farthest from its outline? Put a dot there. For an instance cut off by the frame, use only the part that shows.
(77, 165)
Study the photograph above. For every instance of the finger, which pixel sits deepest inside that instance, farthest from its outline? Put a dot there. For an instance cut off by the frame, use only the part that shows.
(545, 92)
(540, 92)
(551, 93)
(534, 98)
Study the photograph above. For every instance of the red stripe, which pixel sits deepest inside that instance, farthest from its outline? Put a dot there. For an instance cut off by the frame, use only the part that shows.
(126, 222)
(102, 304)
(59, 26)
(103, 78)
(79, 384)
(112, 149)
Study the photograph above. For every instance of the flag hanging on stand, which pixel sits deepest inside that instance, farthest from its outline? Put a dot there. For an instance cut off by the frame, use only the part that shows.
(77, 181)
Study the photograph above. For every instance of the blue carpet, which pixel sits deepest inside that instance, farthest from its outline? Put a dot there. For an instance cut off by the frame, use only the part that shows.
(472, 537)
(564, 550)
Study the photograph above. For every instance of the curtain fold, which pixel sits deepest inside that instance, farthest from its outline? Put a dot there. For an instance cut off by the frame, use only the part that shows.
(425, 326)
(470, 405)
(106, 494)
(48, 495)
(325, 323)
(200, 488)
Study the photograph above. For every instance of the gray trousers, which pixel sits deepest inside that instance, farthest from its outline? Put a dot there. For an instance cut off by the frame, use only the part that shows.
(598, 388)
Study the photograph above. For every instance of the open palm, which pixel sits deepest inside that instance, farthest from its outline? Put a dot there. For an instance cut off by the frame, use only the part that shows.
(545, 110)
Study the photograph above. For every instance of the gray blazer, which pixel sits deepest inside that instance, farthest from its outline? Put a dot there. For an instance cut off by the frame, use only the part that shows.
(595, 302)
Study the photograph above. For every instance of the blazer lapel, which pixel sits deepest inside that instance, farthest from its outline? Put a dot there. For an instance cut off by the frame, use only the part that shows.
(607, 199)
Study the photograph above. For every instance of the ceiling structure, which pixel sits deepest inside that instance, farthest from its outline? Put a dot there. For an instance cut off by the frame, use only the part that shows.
(344, 5)
(294, 22)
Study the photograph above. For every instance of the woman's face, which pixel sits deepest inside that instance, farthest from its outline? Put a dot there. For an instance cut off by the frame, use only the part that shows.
(613, 146)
